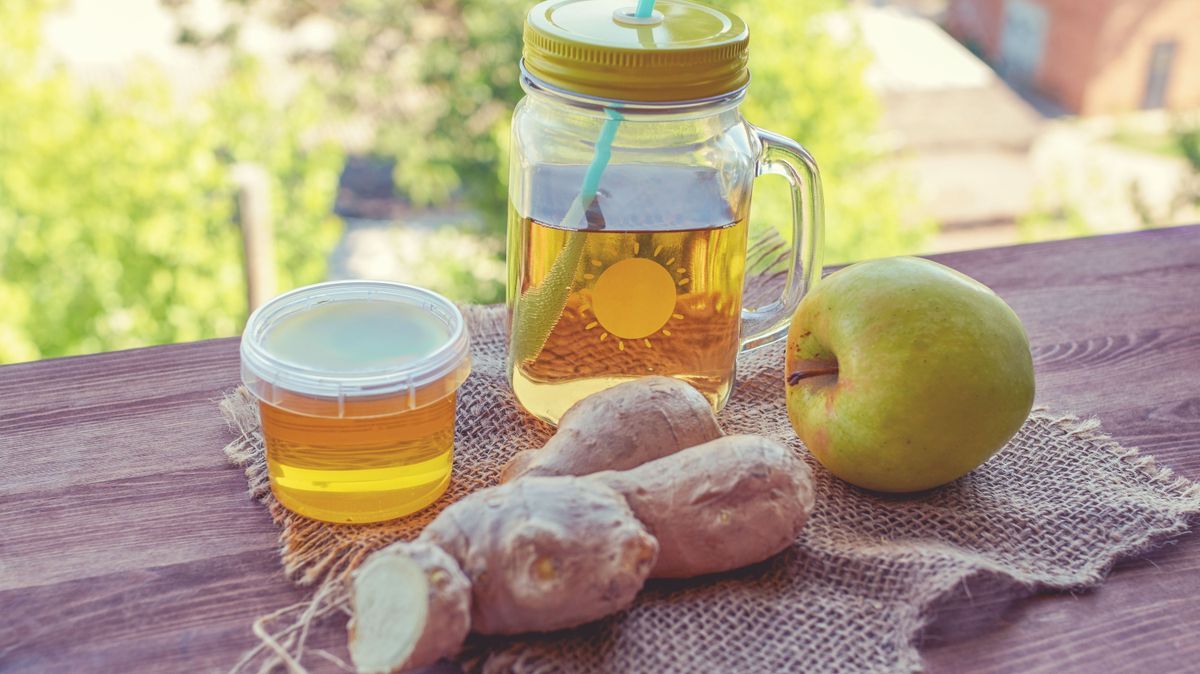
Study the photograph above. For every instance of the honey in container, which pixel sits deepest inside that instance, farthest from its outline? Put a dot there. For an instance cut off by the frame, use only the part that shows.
(357, 383)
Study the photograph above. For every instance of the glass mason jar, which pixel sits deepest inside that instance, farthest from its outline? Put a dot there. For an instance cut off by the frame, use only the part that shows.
(630, 181)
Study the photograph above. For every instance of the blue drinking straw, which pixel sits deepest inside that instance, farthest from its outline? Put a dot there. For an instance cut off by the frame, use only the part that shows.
(544, 305)
(608, 132)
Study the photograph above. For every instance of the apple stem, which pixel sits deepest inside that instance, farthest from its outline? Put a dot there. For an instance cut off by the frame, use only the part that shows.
(795, 377)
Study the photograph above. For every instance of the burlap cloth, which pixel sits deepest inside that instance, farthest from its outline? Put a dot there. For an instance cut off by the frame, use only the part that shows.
(1054, 509)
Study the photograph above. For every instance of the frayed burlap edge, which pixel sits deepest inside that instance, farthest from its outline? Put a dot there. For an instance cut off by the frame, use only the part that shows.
(283, 634)
(906, 634)
(326, 562)
(320, 556)
(1089, 430)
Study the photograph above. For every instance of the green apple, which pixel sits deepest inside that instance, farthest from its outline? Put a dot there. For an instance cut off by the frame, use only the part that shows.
(904, 374)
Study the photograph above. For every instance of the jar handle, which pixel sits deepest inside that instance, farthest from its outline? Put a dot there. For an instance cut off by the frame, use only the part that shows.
(785, 157)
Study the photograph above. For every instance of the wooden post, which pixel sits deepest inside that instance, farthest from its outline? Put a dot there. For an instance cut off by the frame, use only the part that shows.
(254, 219)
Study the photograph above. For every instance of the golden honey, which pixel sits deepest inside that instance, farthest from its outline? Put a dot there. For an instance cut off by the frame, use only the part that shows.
(357, 385)
(637, 295)
(359, 469)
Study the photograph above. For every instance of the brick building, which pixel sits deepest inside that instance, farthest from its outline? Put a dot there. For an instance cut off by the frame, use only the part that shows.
(1090, 56)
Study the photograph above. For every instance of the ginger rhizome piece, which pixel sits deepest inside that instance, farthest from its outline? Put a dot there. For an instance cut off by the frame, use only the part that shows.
(412, 607)
(578, 534)
(535, 555)
(718, 506)
(620, 428)
(545, 553)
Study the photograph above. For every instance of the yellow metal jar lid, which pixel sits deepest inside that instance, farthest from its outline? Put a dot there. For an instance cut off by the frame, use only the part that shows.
(684, 52)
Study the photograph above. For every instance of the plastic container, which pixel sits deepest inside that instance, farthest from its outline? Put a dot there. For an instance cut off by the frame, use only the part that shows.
(357, 383)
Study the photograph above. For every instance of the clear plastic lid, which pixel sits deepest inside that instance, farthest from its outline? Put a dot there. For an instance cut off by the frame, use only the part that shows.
(355, 348)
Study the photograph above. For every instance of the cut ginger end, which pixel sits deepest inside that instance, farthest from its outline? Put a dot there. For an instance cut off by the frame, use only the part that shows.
(412, 607)
(391, 611)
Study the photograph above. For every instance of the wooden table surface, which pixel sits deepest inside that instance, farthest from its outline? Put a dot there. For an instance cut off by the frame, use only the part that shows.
(128, 545)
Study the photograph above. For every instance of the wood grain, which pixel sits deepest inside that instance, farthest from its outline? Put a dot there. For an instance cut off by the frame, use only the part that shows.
(128, 545)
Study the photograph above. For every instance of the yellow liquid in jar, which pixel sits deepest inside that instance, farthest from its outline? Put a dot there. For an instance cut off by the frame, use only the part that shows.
(359, 469)
(643, 293)
(358, 460)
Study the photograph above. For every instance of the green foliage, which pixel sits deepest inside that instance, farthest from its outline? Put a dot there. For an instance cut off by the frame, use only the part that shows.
(1182, 142)
(1051, 217)
(1187, 139)
(1043, 224)
(1152, 143)
(463, 261)
(807, 83)
(437, 80)
(117, 207)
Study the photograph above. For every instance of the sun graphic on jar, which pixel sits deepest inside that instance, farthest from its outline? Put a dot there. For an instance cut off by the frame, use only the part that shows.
(634, 298)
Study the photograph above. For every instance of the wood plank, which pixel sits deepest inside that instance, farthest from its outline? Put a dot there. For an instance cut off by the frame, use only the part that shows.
(1118, 339)
(1143, 619)
(193, 616)
(164, 518)
(127, 544)
(90, 419)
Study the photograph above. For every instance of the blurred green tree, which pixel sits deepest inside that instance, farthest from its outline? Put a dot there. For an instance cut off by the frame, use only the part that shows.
(433, 82)
(807, 82)
(117, 206)
(1187, 139)
(436, 80)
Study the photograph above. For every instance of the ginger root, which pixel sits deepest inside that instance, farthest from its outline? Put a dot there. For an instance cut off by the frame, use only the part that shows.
(620, 428)
(718, 506)
(538, 554)
(412, 607)
(546, 553)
